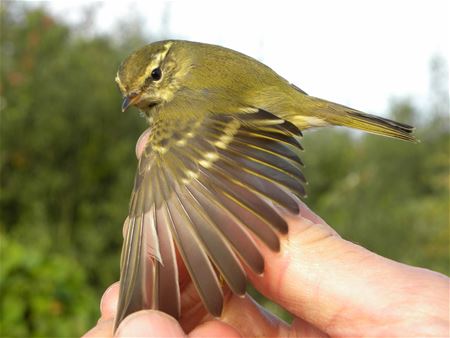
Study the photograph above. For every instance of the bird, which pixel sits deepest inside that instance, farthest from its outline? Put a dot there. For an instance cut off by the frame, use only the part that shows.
(221, 165)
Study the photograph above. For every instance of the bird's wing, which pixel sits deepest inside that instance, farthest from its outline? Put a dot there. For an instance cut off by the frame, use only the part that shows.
(204, 185)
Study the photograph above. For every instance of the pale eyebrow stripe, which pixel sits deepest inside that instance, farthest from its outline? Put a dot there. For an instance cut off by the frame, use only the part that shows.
(119, 83)
(155, 62)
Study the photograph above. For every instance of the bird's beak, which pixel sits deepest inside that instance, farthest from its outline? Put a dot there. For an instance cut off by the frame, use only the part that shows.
(130, 100)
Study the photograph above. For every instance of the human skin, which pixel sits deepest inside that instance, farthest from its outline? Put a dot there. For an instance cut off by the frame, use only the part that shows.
(331, 286)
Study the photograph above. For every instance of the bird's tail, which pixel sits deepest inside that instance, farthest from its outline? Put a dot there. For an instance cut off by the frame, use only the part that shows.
(322, 113)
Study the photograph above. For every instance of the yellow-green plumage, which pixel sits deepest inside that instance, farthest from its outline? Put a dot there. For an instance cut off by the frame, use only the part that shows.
(224, 148)
(219, 80)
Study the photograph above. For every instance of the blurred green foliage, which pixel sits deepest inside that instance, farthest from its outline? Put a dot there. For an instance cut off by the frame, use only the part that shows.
(67, 163)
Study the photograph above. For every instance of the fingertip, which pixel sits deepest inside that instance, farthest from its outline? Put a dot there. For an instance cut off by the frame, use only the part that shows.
(142, 141)
(108, 303)
(214, 328)
(307, 213)
(149, 323)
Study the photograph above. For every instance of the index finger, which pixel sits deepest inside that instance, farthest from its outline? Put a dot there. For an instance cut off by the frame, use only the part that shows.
(338, 286)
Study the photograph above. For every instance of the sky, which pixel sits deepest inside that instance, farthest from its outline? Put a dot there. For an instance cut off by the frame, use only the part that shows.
(358, 53)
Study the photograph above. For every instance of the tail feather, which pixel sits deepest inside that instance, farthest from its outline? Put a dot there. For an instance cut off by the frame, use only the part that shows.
(379, 125)
(315, 112)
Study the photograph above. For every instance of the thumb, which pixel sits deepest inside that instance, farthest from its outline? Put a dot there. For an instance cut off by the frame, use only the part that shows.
(150, 323)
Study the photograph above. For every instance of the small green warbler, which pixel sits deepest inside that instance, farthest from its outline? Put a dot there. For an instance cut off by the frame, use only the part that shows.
(223, 150)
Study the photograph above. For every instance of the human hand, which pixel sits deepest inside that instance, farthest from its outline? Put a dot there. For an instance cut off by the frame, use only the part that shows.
(332, 287)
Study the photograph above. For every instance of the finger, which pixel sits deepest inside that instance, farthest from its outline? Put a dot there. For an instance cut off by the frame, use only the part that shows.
(244, 314)
(236, 314)
(301, 328)
(305, 276)
(103, 329)
(149, 323)
(108, 304)
(214, 328)
(251, 319)
(142, 141)
(307, 213)
(326, 280)
(240, 312)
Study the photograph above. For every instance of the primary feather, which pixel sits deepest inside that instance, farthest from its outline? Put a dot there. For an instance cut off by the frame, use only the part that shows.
(210, 185)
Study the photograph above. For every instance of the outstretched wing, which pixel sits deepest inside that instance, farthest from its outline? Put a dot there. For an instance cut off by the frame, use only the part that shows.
(204, 185)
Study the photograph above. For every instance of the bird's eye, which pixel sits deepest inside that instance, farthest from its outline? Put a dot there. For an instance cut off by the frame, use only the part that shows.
(156, 74)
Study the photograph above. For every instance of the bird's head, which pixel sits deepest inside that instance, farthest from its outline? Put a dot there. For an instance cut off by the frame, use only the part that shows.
(151, 76)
